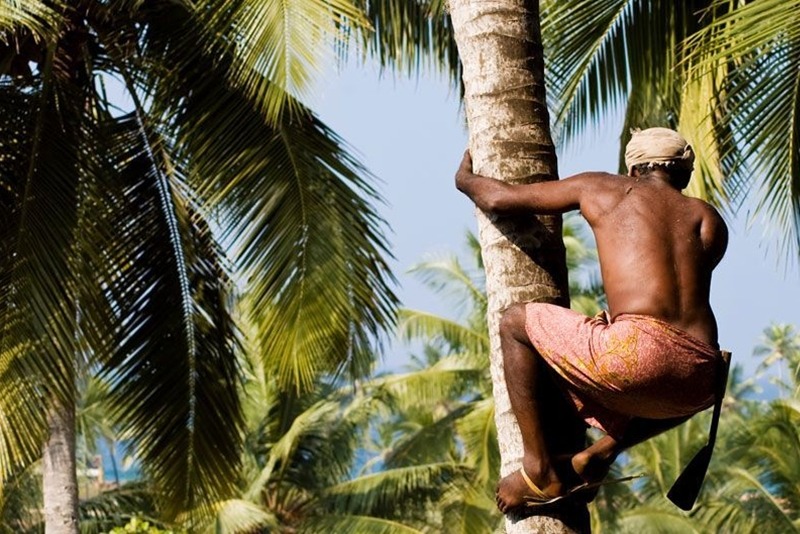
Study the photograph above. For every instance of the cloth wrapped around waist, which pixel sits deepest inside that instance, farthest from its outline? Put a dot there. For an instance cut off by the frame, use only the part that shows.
(635, 366)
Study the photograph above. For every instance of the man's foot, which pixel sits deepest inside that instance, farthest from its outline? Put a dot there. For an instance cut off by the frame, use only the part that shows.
(514, 490)
(588, 471)
(591, 468)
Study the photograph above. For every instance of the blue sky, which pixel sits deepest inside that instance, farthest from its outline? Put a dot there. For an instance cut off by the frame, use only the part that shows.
(411, 134)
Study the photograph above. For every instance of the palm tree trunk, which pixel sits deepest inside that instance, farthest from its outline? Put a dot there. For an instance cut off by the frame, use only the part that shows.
(499, 43)
(59, 472)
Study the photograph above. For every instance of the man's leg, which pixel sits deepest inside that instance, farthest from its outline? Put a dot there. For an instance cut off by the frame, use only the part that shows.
(529, 384)
(593, 463)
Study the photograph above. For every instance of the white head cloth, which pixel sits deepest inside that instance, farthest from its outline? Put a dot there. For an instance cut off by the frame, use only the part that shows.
(658, 146)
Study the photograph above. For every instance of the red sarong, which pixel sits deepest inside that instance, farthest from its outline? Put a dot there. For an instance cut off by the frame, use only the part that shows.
(635, 366)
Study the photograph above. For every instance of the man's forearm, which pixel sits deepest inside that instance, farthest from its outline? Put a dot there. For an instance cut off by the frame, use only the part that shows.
(487, 193)
(490, 195)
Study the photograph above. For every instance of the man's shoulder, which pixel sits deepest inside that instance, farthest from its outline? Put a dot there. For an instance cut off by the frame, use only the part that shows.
(705, 208)
(600, 182)
(601, 192)
(597, 176)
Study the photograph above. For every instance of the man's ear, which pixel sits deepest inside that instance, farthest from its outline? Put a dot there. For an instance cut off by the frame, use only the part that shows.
(633, 172)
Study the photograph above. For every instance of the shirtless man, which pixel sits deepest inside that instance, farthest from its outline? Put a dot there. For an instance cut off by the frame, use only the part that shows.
(651, 362)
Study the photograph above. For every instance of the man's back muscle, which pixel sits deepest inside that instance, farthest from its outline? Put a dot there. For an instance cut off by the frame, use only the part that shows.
(657, 249)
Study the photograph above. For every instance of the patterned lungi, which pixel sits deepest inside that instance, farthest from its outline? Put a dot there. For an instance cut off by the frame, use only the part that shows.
(635, 366)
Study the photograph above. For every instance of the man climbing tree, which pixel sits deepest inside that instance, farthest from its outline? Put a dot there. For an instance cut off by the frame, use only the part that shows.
(500, 49)
(648, 364)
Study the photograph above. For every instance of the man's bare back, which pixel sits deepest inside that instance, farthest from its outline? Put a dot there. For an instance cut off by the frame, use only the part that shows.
(657, 248)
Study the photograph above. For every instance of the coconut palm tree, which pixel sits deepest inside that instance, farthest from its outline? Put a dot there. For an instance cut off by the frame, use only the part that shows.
(114, 221)
(305, 467)
(504, 95)
(780, 347)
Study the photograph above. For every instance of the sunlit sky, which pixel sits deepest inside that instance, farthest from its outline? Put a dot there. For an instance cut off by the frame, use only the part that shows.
(411, 134)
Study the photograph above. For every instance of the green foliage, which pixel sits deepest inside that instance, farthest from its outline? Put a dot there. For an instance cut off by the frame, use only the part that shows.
(723, 73)
(138, 526)
(127, 234)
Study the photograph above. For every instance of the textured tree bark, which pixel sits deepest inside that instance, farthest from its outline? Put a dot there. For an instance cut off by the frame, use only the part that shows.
(499, 43)
(60, 482)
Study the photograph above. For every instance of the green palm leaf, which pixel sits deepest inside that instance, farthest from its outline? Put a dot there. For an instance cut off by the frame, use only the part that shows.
(37, 274)
(448, 378)
(322, 434)
(356, 523)
(116, 507)
(448, 277)
(586, 50)
(762, 41)
(380, 493)
(291, 201)
(236, 515)
(407, 36)
(172, 372)
(287, 44)
(20, 501)
(657, 521)
(34, 15)
(415, 325)
(427, 443)
(479, 434)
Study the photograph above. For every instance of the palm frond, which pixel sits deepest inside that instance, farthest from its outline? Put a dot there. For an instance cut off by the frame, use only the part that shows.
(294, 204)
(174, 371)
(339, 522)
(35, 16)
(700, 125)
(279, 47)
(587, 59)
(418, 325)
(657, 520)
(41, 151)
(116, 507)
(409, 36)
(236, 515)
(761, 41)
(478, 431)
(775, 508)
(448, 378)
(447, 276)
(470, 510)
(21, 501)
(382, 492)
(427, 443)
(325, 434)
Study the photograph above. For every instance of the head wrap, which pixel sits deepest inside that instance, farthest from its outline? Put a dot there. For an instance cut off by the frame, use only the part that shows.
(658, 146)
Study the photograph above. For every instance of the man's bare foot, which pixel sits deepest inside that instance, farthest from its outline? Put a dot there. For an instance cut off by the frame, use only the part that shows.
(513, 490)
(591, 467)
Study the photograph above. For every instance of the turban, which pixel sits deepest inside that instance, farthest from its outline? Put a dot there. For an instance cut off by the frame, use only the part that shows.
(658, 146)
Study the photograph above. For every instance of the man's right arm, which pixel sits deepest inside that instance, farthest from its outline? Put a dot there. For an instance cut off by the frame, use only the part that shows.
(496, 196)
(714, 235)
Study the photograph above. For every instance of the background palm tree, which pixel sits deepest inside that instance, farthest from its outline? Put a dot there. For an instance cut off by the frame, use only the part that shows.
(113, 260)
(780, 348)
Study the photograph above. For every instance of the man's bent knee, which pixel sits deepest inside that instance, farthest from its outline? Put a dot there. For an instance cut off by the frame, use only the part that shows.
(512, 322)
